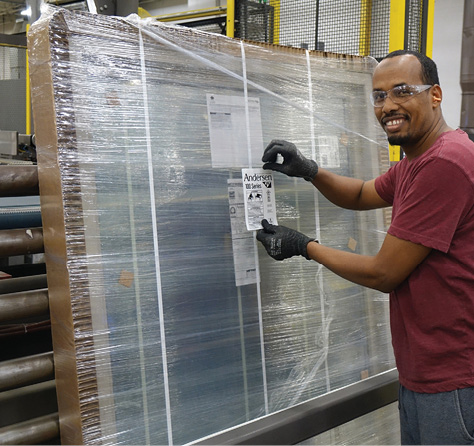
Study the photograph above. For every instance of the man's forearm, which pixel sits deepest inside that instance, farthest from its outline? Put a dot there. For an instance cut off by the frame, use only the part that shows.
(356, 268)
(348, 193)
(342, 191)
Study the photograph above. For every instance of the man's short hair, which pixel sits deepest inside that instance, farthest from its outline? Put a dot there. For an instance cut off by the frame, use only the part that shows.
(429, 71)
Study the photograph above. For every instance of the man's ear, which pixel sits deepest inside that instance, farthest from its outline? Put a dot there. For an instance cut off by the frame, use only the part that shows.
(436, 95)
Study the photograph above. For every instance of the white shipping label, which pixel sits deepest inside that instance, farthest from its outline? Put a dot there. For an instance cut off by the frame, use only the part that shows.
(243, 244)
(259, 195)
(234, 141)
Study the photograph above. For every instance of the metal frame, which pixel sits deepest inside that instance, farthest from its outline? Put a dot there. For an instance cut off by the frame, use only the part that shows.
(365, 27)
(427, 27)
(18, 40)
(221, 22)
(303, 421)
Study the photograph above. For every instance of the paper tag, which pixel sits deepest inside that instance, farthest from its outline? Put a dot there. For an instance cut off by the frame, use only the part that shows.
(259, 196)
(243, 246)
(229, 135)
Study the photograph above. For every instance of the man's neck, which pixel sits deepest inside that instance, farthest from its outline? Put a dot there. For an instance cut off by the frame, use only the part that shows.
(427, 142)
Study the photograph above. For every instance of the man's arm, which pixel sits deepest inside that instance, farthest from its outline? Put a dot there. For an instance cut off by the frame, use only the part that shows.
(395, 261)
(345, 192)
(348, 193)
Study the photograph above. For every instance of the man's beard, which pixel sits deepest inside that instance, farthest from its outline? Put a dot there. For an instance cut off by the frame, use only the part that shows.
(398, 140)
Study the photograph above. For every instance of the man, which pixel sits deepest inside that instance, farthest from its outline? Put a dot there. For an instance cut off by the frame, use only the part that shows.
(426, 261)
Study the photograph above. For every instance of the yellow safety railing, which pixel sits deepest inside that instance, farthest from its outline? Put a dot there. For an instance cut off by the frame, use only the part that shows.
(365, 27)
(429, 28)
(276, 20)
(28, 93)
(397, 25)
(230, 18)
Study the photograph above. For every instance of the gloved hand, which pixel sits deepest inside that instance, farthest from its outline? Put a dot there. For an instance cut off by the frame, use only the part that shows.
(282, 242)
(294, 163)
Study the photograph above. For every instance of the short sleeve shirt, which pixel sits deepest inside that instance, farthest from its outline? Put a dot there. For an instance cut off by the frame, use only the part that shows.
(432, 311)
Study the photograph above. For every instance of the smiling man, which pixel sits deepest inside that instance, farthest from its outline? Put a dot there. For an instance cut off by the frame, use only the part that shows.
(426, 261)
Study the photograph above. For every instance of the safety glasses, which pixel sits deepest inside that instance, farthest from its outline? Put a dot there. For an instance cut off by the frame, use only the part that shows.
(398, 95)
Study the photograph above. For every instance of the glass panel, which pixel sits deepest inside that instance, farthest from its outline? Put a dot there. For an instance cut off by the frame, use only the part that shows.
(168, 344)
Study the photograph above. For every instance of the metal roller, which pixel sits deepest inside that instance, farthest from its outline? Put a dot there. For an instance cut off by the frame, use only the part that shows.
(26, 283)
(25, 371)
(36, 431)
(12, 217)
(21, 241)
(17, 181)
(27, 402)
(24, 304)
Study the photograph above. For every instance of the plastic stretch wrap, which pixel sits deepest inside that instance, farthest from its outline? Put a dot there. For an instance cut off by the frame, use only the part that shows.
(170, 322)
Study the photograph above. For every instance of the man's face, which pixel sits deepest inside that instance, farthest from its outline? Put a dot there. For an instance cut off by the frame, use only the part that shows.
(407, 123)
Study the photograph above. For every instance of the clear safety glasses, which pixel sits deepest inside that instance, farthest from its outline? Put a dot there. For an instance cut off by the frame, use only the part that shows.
(398, 95)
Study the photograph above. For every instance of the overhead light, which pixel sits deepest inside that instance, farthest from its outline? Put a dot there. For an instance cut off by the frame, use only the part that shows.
(26, 12)
(92, 6)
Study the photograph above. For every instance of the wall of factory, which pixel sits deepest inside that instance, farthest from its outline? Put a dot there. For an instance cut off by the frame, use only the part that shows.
(447, 37)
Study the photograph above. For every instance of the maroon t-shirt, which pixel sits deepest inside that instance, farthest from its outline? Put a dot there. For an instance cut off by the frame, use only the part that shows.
(432, 311)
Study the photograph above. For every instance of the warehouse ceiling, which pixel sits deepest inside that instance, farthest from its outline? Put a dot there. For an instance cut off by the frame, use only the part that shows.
(11, 7)
(12, 21)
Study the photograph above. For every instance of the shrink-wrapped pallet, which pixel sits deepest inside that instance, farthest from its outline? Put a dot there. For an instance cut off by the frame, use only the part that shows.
(170, 322)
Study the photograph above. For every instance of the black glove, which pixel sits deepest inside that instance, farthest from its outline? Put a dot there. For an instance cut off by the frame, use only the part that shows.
(294, 163)
(282, 242)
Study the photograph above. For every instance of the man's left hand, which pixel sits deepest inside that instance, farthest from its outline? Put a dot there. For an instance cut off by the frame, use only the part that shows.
(282, 242)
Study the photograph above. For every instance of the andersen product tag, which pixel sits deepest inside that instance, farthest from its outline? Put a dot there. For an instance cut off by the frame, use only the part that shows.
(259, 197)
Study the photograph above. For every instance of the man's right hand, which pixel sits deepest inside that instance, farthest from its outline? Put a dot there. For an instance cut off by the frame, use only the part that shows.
(294, 163)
